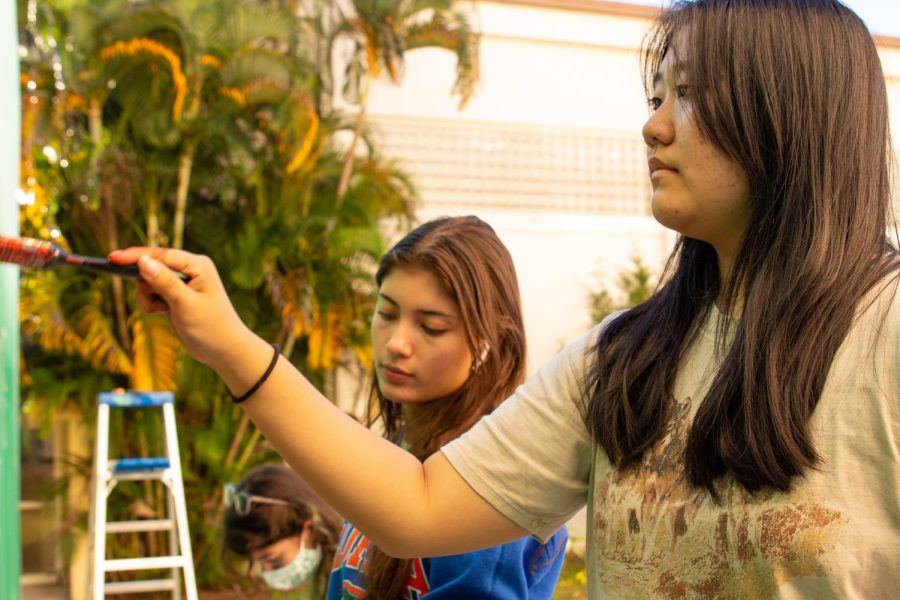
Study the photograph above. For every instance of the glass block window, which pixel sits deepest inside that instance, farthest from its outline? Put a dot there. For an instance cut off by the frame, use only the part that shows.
(465, 164)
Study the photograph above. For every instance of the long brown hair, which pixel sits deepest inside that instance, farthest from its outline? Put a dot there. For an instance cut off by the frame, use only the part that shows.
(266, 524)
(475, 270)
(794, 92)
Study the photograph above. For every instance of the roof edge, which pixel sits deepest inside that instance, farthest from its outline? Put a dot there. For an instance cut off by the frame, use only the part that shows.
(625, 9)
(608, 7)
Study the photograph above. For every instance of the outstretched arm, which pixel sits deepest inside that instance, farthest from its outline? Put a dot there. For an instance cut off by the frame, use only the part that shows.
(407, 508)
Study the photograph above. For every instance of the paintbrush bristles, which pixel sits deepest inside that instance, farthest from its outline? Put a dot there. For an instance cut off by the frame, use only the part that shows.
(27, 252)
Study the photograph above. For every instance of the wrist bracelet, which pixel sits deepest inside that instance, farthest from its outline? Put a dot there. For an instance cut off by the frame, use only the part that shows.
(262, 380)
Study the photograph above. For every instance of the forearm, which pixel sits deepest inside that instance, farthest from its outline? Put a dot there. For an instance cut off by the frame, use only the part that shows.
(347, 464)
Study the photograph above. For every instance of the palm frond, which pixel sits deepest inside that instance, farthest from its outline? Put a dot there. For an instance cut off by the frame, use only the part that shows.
(160, 21)
(100, 346)
(326, 337)
(155, 350)
(305, 130)
(256, 64)
(41, 317)
(291, 299)
(454, 34)
(147, 48)
(244, 25)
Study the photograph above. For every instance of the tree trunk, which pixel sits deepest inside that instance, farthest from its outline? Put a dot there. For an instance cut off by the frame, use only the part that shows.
(153, 238)
(95, 125)
(185, 164)
(347, 169)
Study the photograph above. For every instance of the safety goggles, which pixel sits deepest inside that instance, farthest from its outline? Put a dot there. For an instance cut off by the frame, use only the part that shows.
(241, 501)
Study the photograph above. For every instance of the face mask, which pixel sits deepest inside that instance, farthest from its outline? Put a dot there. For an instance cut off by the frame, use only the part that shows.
(295, 573)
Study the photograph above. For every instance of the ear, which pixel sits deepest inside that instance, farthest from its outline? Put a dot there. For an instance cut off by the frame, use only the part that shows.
(307, 534)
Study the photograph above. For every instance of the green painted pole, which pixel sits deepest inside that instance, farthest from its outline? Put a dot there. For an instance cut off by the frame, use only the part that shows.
(10, 108)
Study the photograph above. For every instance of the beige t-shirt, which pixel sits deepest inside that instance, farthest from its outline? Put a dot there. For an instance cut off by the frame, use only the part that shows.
(650, 535)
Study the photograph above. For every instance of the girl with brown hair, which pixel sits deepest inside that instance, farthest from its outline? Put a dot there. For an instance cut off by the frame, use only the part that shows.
(736, 435)
(449, 346)
(274, 519)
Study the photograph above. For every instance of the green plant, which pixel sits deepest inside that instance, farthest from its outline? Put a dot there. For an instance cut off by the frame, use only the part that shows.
(634, 286)
(202, 125)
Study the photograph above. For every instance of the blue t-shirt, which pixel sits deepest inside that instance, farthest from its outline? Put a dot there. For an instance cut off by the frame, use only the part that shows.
(523, 569)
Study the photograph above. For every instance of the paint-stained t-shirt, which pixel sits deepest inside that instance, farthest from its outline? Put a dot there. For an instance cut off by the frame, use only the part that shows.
(650, 534)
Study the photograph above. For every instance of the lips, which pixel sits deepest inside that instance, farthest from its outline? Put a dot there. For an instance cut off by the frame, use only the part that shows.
(658, 165)
(395, 374)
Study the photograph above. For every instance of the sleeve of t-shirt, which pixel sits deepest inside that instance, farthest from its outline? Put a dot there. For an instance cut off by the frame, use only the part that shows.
(531, 458)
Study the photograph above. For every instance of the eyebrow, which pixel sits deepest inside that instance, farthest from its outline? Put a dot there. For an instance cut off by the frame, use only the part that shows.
(427, 313)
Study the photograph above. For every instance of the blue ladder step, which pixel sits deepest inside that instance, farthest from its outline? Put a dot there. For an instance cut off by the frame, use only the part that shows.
(135, 399)
(130, 465)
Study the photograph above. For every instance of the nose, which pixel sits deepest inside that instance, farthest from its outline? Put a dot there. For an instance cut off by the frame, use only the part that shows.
(399, 342)
(659, 130)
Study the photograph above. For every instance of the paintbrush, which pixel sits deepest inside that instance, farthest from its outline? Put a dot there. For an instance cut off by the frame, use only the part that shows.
(41, 254)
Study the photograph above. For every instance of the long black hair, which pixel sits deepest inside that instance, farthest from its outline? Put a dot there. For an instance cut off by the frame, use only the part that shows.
(794, 92)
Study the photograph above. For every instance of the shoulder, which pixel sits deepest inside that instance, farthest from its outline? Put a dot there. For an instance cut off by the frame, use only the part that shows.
(578, 354)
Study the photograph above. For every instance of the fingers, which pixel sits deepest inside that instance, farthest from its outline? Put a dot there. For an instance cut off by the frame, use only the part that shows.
(178, 260)
(190, 264)
(129, 256)
(161, 279)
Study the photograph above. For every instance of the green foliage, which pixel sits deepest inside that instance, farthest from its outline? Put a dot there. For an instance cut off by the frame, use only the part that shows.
(634, 286)
(207, 125)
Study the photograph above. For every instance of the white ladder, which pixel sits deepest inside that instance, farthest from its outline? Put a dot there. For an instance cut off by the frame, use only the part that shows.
(166, 469)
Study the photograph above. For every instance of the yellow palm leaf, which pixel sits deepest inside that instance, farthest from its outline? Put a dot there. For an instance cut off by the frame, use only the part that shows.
(208, 60)
(137, 46)
(372, 58)
(235, 94)
(283, 291)
(42, 319)
(326, 339)
(155, 353)
(100, 346)
(307, 139)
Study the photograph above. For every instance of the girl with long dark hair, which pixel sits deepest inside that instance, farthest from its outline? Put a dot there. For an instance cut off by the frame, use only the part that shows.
(735, 436)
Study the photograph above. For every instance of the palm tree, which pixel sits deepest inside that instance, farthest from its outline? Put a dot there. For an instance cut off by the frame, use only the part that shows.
(383, 31)
(196, 126)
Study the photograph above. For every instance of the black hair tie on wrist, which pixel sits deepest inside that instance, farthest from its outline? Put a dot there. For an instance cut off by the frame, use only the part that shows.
(262, 380)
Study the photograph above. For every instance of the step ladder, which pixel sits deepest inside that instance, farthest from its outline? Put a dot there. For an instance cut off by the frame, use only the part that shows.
(107, 473)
